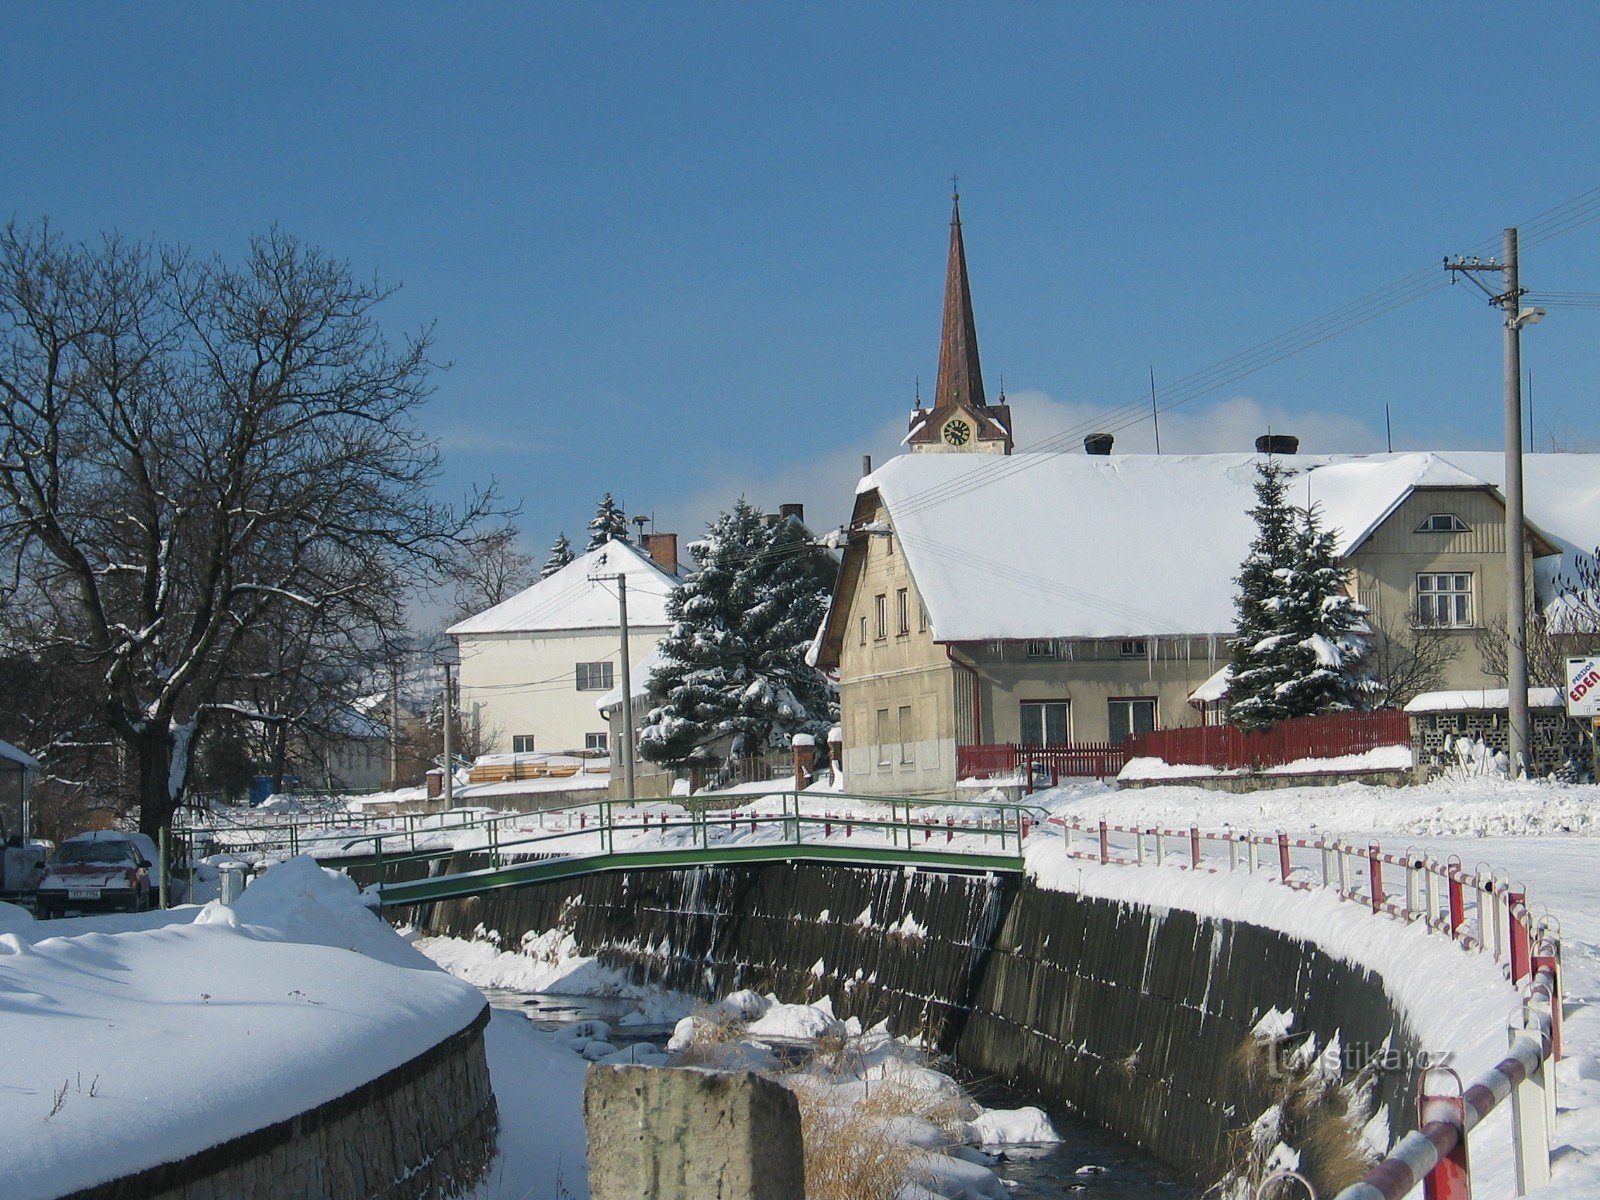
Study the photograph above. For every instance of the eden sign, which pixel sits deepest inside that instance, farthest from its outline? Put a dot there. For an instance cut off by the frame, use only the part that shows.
(1583, 686)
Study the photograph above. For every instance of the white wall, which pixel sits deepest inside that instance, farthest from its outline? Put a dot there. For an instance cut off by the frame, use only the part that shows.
(525, 683)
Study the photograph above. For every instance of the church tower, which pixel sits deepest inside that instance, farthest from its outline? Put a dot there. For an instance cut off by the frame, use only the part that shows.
(960, 421)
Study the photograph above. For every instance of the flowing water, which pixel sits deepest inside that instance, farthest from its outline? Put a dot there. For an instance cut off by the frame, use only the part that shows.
(1087, 1164)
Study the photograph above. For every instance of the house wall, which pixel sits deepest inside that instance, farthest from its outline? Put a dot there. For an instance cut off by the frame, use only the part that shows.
(525, 683)
(1089, 675)
(1386, 567)
(881, 676)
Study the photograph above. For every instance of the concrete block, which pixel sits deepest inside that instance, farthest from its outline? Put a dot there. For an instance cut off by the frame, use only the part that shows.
(660, 1133)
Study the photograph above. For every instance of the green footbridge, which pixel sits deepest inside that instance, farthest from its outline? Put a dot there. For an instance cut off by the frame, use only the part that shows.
(604, 836)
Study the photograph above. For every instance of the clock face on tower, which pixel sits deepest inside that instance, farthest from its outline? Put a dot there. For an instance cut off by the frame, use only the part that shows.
(957, 431)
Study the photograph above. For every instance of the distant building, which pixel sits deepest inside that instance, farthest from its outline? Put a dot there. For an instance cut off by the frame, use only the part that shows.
(533, 666)
(17, 771)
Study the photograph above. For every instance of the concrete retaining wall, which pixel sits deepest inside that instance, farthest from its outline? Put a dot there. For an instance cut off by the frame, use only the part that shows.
(1130, 1016)
(426, 1130)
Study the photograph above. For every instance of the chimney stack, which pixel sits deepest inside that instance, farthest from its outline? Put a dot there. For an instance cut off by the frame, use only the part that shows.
(866, 464)
(663, 548)
(1098, 443)
(797, 511)
(1277, 443)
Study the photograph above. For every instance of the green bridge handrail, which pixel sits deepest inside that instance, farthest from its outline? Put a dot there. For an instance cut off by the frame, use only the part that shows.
(1011, 824)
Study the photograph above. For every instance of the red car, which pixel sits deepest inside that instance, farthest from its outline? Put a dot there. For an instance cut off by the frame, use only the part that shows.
(103, 871)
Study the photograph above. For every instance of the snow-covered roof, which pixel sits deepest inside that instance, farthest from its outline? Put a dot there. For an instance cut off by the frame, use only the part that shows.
(1482, 700)
(1214, 688)
(1076, 545)
(10, 754)
(570, 599)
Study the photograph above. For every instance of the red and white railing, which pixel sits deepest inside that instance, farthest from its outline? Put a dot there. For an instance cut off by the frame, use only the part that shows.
(1481, 909)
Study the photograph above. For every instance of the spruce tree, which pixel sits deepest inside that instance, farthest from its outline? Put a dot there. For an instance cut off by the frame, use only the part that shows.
(1296, 651)
(733, 680)
(610, 524)
(560, 555)
(1261, 666)
(1325, 626)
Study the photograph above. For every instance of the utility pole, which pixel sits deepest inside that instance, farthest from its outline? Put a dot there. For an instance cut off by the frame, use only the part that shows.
(621, 581)
(449, 720)
(1509, 301)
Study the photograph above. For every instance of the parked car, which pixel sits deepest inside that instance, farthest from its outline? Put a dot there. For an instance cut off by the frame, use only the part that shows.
(104, 871)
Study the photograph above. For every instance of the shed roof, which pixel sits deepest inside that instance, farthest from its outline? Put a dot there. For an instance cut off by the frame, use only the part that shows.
(11, 757)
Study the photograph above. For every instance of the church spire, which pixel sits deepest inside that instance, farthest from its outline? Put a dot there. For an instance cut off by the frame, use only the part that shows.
(960, 376)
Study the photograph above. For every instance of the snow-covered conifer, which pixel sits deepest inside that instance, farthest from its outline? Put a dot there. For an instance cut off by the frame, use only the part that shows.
(733, 680)
(1325, 625)
(560, 555)
(610, 524)
(1261, 663)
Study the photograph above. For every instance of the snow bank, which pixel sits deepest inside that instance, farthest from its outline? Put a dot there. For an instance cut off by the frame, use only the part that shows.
(1383, 758)
(140, 1040)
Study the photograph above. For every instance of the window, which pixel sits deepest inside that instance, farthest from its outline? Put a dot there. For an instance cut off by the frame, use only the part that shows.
(905, 735)
(883, 738)
(902, 611)
(1445, 599)
(522, 743)
(1134, 715)
(595, 742)
(880, 605)
(1443, 523)
(1044, 723)
(1044, 649)
(1132, 649)
(863, 631)
(594, 677)
(888, 541)
(922, 617)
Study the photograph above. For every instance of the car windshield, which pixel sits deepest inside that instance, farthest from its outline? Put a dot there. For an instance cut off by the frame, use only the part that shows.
(96, 852)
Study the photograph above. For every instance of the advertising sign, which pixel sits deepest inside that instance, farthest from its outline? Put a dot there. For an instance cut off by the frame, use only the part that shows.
(1583, 686)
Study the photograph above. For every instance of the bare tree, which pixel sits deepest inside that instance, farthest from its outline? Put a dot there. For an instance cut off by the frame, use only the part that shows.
(1568, 625)
(189, 447)
(491, 569)
(1406, 657)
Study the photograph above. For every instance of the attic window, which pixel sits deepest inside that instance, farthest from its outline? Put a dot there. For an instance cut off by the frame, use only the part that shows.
(1044, 649)
(1132, 649)
(1444, 523)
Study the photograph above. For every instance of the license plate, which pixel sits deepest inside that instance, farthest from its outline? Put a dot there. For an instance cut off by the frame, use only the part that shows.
(83, 893)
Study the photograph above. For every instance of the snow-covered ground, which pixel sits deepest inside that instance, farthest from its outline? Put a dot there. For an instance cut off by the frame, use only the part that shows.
(136, 1040)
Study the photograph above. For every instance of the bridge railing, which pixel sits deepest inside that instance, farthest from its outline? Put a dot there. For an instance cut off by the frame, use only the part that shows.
(1483, 910)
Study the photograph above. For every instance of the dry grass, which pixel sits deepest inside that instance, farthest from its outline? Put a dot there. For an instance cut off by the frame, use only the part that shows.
(714, 1042)
(848, 1154)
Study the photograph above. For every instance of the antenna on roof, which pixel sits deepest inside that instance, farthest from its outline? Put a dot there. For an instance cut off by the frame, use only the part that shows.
(1155, 413)
(916, 394)
(1388, 429)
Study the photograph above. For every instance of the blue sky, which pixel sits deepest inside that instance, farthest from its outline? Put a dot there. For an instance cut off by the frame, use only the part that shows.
(687, 252)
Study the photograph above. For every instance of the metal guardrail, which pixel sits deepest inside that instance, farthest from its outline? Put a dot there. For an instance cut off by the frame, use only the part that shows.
(1440, 896)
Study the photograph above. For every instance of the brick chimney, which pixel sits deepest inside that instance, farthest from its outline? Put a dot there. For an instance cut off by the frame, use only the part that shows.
(797, 511)
(1098, 443)
(1277, 443)
(663, 548)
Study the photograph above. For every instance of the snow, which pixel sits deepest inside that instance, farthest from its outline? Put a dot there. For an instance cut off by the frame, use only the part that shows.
(1482, 700)
(1007, 548)
(569, 599)
(1383, 758)
(156, 1036)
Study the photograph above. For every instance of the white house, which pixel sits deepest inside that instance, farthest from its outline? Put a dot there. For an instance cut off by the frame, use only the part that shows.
(533, 666)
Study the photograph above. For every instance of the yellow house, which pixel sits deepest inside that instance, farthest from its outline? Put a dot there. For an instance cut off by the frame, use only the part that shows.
(989, 597)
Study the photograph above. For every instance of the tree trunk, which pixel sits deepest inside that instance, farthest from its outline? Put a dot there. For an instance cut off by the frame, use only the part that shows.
(152, 750)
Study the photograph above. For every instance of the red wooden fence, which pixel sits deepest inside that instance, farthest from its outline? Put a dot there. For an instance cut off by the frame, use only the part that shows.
(1328, 736)
(1098, 760)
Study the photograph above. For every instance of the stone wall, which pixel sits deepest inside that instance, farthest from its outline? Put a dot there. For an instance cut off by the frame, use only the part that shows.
(1133, 1017)
(426, 1130)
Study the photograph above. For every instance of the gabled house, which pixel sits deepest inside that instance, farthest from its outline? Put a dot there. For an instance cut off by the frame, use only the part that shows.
(1070, 598)
(533, 666)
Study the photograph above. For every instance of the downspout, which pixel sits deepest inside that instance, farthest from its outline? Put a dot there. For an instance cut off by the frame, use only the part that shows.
(977, 694)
